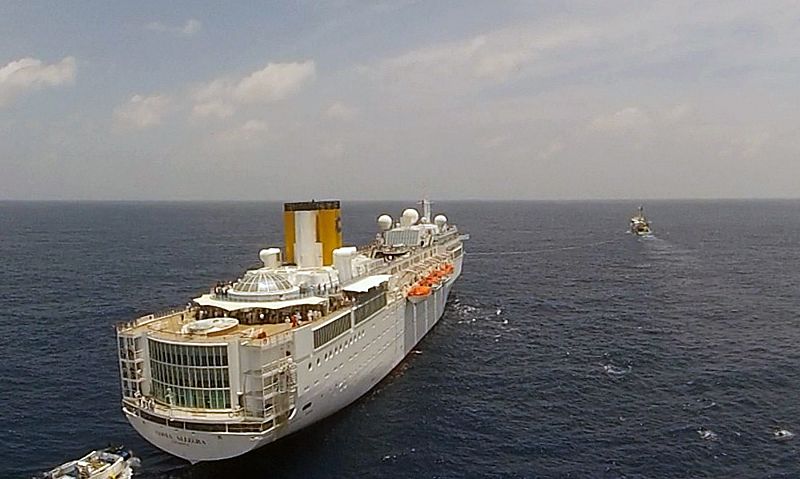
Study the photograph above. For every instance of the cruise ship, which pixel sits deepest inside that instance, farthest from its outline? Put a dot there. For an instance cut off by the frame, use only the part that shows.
(310, 330)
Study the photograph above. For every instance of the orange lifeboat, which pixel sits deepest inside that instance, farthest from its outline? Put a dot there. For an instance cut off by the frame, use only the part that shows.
(418, 292)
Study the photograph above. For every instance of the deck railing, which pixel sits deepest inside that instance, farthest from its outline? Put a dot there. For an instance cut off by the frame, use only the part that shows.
(270, 340)
(153, 317)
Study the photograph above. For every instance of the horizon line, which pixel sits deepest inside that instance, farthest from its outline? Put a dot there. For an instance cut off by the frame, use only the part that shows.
(397, 200)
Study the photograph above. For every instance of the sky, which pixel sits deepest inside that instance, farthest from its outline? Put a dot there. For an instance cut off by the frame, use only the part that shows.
(397, 99)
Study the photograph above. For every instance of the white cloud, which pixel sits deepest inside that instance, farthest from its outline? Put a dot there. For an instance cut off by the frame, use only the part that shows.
(332, 150)
(255, 126)
(215, 108)
(678, 113)
(491, 58)
(143, 111)
(603, 46)
(213, 100)
(625, 120)
(495, 141)
(751, 144)
(277, 81)
(191, 27)
(250, 132)
(28, 74)
(553, 149)
(274, 82)
(341, 111)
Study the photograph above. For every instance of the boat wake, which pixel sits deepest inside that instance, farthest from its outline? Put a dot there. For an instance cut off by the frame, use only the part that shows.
(612, 370)
(707, 434)
(536, 251)
(469, 313)
(664, 251)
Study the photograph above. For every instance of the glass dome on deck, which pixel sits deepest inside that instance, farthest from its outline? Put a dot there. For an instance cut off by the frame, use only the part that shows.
(263, 284)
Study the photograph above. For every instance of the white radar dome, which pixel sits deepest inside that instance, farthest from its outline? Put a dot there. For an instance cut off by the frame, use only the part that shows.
(384, 222)
(410, 217)
(440, 220)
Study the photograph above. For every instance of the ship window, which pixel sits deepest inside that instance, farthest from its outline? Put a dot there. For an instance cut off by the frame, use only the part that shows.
(402, 237)
(369, 304)
(246, 427)
(190, 376)
(175, 424)
(331, 331)
(199, 426)
(150, 417)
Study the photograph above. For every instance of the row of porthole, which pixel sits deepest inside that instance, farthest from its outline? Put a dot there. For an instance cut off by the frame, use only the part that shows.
(338, 349)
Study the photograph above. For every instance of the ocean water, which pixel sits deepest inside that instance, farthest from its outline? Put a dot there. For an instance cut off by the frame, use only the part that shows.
(569, 348)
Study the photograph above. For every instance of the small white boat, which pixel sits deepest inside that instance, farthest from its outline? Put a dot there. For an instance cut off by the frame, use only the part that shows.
(639, 224)
(782, 435)
(111, 463)
(707, 434)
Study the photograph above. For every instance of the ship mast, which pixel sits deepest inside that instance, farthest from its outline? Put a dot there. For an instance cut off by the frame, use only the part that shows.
(426, 208)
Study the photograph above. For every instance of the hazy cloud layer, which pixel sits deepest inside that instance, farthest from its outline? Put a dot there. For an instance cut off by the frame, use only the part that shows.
(341, 111)
(487, 59)
(251, 131)
(28, 74)
(188, 29)
(613, 99)
(626, 120)
(142, 111)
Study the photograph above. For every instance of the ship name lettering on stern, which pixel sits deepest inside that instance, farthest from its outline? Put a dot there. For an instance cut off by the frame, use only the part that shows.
(181, 439)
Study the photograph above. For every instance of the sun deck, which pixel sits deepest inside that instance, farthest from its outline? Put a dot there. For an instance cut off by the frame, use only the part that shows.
(170, 325)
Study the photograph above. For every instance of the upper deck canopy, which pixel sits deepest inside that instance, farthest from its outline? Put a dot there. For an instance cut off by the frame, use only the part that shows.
(365, 284)
(209, 300)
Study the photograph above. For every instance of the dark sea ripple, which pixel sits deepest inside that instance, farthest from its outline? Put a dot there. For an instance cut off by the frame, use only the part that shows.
(569, 348)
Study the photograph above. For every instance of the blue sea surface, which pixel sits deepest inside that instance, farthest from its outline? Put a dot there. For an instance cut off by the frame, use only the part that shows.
(568, 349)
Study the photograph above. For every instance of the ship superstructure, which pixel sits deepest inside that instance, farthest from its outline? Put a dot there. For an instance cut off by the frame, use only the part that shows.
(639, 224)
(311, 330)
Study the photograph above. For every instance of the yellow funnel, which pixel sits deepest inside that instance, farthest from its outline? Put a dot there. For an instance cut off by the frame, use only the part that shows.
(328, 231)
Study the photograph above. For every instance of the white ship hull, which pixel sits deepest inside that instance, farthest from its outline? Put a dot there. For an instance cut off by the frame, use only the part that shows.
(359, 360)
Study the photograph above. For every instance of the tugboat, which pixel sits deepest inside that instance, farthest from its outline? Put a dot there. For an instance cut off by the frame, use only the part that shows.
(113, 462)
(639, 224)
